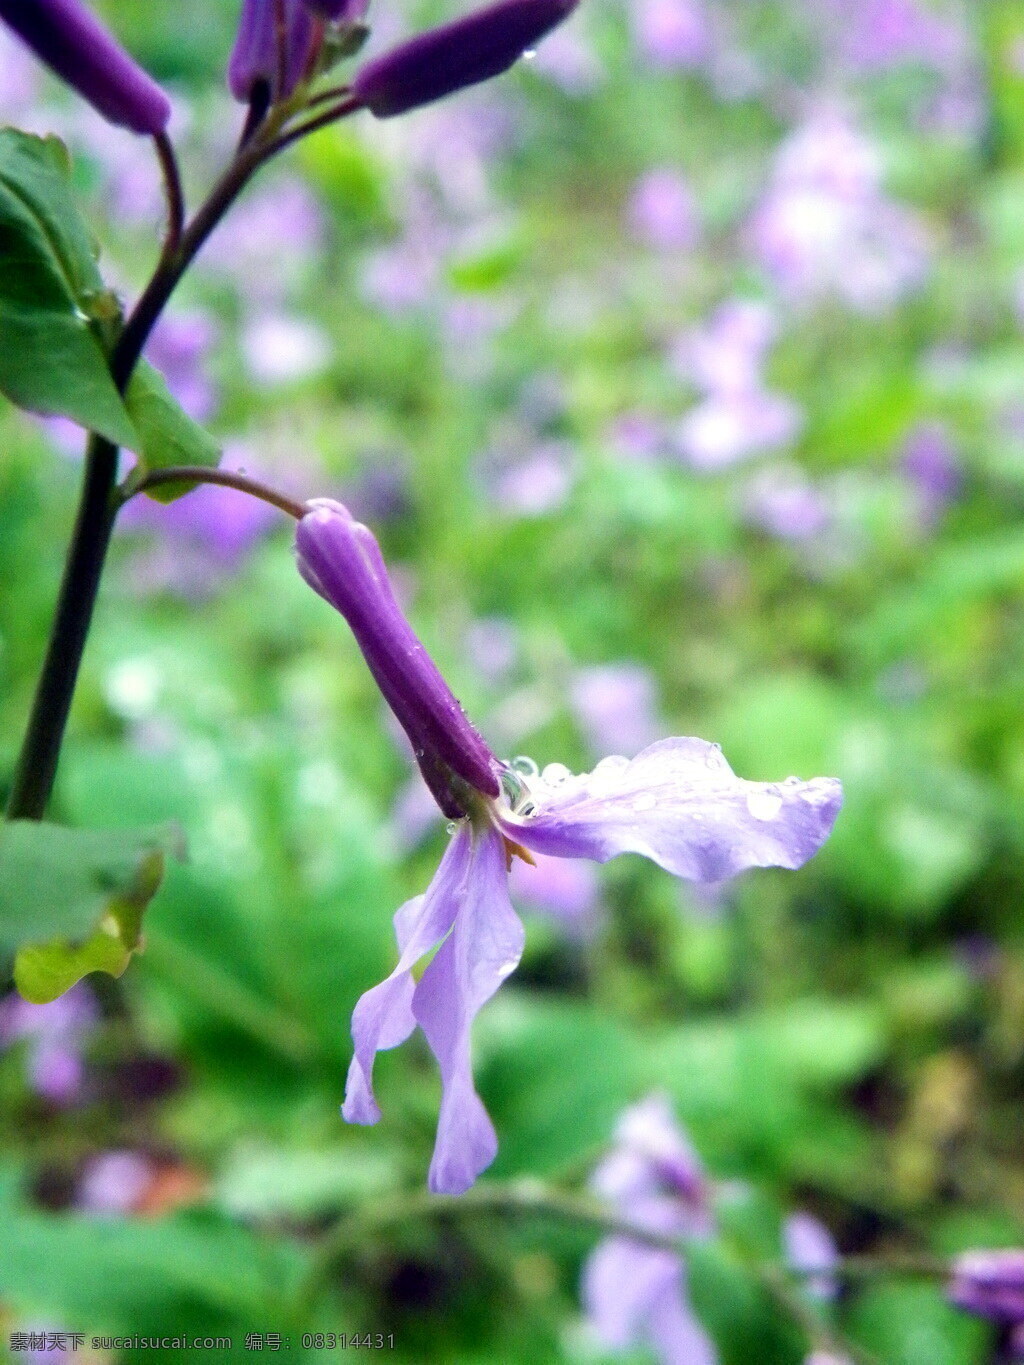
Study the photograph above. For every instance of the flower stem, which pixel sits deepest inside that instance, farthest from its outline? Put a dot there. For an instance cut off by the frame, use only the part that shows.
(36, 766)
(37, 762)
(227, 478)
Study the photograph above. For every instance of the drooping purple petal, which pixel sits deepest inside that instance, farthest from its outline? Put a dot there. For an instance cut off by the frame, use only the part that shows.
(679, 804)
(383, 1018)
(72, 42)
(675, 1332)
(990, 1284)
(484, 947)
(621, 1280)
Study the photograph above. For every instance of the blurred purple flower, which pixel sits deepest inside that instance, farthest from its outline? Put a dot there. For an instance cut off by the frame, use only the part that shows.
(569, 61)
(19, 78)
(56, 1034)
(615, 706)
(492, 646)
(672, 34)
(677, 803)
(810, 1250)
(877, 34)
(931, 466)
(178, 346)
(825, 227)
(638, 435)
(727, 354)
(114, 1183)
(283, 349)
(729, 427)
(662, 211)
(532, 483)
(565, 889)
(989, 1284)
(266, 243)
(783, 502)
(633, 1294)
(211, 529)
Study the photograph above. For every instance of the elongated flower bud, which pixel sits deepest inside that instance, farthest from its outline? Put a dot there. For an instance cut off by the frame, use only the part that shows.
(74, 44)
(340, 559)
(446, 59)
(263, 54)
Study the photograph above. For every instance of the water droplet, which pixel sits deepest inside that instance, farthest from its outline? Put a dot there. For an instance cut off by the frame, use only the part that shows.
(713, 757)
(614, 763)
(555, 774)
(450, 827)
(529, 54)
(525, 766)
(764, 803)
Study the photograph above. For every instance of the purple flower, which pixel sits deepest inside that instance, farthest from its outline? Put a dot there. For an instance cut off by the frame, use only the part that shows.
(677, 803)
(56, 1034)
(729, 427)
(672, 33)
(635, 1294)
(445, 59)
(280, 349)
(662, 212)
(615, 706)
(264, 55)
(810, 1250)
(932, 467)
(565, 889)
(114, 1183)
(989, 1284)
(825, 227)
(178, 346)
(783, 502)
(74, 44)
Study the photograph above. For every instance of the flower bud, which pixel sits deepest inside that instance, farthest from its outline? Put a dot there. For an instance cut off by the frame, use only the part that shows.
(74, 44)
(445, 59)
(257, 56)
(340, 559)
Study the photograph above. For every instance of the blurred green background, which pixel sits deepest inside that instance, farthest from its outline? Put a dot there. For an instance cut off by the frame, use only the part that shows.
(681, 375)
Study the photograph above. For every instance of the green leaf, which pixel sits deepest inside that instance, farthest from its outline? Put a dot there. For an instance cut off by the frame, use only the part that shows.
(72, 900)
(167, 435)
(52, 299)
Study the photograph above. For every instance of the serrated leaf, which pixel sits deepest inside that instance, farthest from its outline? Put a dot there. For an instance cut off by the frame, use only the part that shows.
(72, 900)
(167, 435)
(51, 357)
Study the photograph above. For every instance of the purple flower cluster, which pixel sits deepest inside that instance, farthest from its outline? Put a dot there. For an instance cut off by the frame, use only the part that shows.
(739, 416)
(56, 1035)
(677, 803)
(826, 228)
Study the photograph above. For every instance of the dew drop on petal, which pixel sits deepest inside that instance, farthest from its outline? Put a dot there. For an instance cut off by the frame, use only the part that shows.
(764, 803)
(555, 774)
(713, 758)
(525, 766)
(450, 827)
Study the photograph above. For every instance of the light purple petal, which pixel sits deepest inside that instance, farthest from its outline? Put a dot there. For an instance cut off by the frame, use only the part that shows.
(675, 1332)
(622, 1281)
(485, 945)
(809, 1246)
(383, 1017)
(679, 804)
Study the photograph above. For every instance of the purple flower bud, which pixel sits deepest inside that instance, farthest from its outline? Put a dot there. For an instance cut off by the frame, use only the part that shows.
(445, 59)
(340, 559)
(74, 44)
(257, 57)
(989, 1284)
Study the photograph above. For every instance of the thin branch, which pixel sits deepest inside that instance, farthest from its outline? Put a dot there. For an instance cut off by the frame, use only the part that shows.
(332, 115)
(173, 191)
(226, 478)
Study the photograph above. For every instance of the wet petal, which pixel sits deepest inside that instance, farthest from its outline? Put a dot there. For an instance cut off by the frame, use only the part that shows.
(681, 805)
(383, 1018)
(484, 946)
